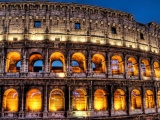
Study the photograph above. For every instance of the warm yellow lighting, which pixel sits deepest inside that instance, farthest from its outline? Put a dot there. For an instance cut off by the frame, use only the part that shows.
(100, 101)
(79, 100)
(34, 100)
(119, 100)
(10, 100)
(14, 37)
(36, 37)
(80, 114)
(56, 100)
(1, 37)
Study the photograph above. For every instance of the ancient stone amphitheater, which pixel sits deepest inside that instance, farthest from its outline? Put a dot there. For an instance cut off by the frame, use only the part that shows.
(69, 61)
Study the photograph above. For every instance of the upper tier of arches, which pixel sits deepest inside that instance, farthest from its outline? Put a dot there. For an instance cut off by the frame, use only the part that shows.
(113, 65)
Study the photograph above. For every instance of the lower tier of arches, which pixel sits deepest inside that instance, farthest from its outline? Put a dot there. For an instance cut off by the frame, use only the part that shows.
(78, 98)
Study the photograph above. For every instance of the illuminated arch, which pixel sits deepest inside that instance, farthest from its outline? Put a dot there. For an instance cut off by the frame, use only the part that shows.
(80, 59)
(158, 97)
(99, 62)
(145, 68)
(60, 59)
(100, 100)
(10, 100)
(34, 100)
(136, 99)
(79, 100)
(119, 100)
(149, 99)
(117, 64)
(35, 58)
(132, 67)
(11, 62)
(156, 68)
(56, 100)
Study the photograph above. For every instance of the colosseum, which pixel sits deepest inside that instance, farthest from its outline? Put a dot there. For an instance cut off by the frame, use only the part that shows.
(74, 61)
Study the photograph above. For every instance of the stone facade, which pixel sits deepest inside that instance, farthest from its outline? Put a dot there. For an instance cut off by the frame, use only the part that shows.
(67, 32)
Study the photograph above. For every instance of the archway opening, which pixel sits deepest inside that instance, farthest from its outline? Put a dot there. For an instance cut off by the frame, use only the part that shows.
(33, 101)
(11, 62)
(119, 100)
(99, 62)
(156, 69)
(79, 100)
(136, 100)
(56, 100)
(158, 98)
(57, 62)
(149, 99)
(145, 68)
(132, 67)
(35, 63)
(117, 65)
(79, 62)
(10, 100)
(100, 100)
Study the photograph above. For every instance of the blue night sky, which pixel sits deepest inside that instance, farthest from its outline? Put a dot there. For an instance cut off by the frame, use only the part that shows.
(144, 11)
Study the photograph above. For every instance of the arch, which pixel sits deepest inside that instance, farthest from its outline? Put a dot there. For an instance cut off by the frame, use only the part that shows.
(136, 99)
(149, 99)
(156, 69)
(119, 100)
(33, 100)
(100, 100)
(35, 62)
(158, 97)
(117, 64)
(132, 67)
(79, 100)
(56, 100)
(145, 68)
(99, 62)
(57, 61)
(10, 100)
(80, 59)
(11, 62)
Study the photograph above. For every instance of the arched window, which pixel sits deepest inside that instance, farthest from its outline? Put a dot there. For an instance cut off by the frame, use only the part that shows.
(10, 100)
(149, 99)
(78, 63)
(57, 61)
(156, 69)
(11, 62)
(158, 99)
(99, 62)
(145, 68)
(35, 63)
(119, 100)
(136, 100)
(132, 67)
(100, 100)
(117, 65)
(38, 66)
(56, 100)
(33, 101)
(79, 100)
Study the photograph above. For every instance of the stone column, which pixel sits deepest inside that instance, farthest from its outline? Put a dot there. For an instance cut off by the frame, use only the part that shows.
(91, 104)
(125, 65)
(45, 101)
(1, 97)
(111, 101)
(46, 67)
(21, 94)
(139, 67)
(109, 65)
(143, 100)
(69, 64)
(152, 69)
(128, 98)
(156, 98)
(89, 65)
(69, 100)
